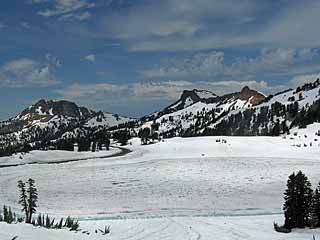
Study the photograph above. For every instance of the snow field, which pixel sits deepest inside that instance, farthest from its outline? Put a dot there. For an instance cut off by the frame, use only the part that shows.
(180, 188)
(194, 228)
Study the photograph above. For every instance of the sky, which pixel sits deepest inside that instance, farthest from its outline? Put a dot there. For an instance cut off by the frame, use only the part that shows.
(133, 57)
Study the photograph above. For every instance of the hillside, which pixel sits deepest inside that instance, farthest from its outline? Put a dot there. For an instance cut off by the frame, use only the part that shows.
(48, 120)
(195, 113)
(245, 113)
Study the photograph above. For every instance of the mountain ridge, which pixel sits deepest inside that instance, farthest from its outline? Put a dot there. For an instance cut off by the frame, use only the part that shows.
(195, 113)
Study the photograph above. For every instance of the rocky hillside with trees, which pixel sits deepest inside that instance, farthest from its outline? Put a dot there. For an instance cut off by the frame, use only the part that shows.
(245, 113)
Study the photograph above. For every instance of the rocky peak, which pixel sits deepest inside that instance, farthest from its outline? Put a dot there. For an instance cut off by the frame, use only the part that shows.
(190, 97)
(190, 94)
(51, 108)
(253, 96)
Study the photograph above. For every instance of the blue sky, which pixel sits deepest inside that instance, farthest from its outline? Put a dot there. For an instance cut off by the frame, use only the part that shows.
(135, 56)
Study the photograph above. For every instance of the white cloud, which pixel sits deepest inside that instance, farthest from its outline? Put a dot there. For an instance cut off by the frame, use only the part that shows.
(178, 25)
(25, 25)
(223, 87)
(119, 93)
(299, 80)
(66, 9)
(26, 72)
(169, 90)
(295, 27)
(172, 17)
(90, 58)
(212, 64)
(83, 16)
(183, 24)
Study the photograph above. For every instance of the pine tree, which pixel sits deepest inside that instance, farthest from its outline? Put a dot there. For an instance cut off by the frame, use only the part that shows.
(60, 224)
(289, 205)
(107, 143)
(32, 199)
(304, 199)
(40, 220)
(23, 198)
(5, 213)
(298, 196)
(315, 208)
(93, 146)
(10, 216)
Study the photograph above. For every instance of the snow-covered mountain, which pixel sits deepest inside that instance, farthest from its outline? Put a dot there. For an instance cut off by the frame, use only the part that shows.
(48, 119)
(247, 112)
(190, 97)
(195, 113)
(105, 119)
(201, 105)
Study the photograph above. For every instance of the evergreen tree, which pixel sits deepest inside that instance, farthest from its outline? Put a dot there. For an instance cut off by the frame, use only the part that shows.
(122, 136)
(315, 208)
(93, 146)
(276, 129)
(289, 205)
(107, 143)
(145, 135)
(32, 199)
(5, 213)
(23, 198)
(304, 199)
(298, 196)
(10, 216)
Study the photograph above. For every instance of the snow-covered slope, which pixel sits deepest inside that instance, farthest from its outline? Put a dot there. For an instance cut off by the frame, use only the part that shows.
(180, 176)
(105, 119)
(177, 228)
(49, 120)
(181, 188)
(245, 113)
(193, 105)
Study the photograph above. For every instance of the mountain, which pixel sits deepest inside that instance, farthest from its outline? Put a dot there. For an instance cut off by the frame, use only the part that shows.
(195, 104)
(190, 97)
(48, 120)
(243, 113)
(196, 113)
(47, 109)
(105, 119)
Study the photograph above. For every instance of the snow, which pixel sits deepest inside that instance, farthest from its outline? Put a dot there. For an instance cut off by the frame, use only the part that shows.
(178, 228)
(310, 131)
(180, 188)
(190, 108)
(188, 102)
(177, 116)
(184, 118)
(308, 97)
(176, 105)
(204, 94)
(107, 119)
(53, 156)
